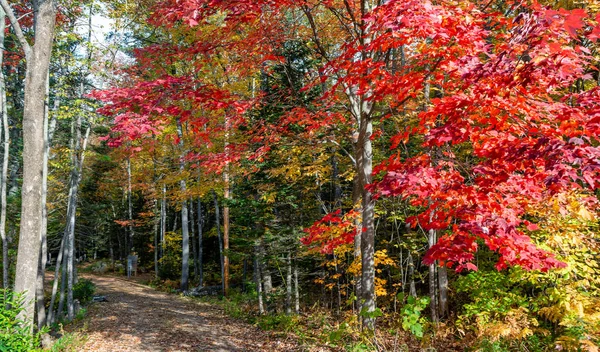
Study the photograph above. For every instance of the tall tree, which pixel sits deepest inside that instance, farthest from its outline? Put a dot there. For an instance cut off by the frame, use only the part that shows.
(37, 58)
(6, 155)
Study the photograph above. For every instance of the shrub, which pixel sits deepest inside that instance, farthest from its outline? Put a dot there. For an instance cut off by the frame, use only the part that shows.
(14, 335)
(84, 290)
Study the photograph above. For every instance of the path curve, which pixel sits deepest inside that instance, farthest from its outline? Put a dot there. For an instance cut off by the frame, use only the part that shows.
(139, 318)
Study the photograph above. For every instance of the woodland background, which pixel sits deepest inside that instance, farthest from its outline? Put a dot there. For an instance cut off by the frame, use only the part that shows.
(398, 170)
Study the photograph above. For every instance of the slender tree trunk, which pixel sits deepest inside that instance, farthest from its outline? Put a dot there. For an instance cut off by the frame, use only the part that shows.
(367, 241)
(257, 277)
(244, 275)
(264, 269)
(63, 287)
(443, 291)
(156, 235)
(76, 175)
(185, 252)
(51, 316)
(163, 220)
(337, 188)
(296, 289)
(288, 285)
(40, 304)
(37, 64)
(356, 201)
(200, 246)
(433, 281)
(226, 246)
(193, 239)
(119, 247)
(226, 197)
(175, 222)
(218, 225)
(71, 221)
(411, 275)
(129, 208)
(3, 181)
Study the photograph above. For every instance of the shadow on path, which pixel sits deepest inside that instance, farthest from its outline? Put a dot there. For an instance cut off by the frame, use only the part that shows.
(139, 318)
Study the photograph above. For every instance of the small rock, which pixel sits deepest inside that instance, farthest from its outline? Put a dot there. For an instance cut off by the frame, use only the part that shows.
(99, 299)
(47, 341)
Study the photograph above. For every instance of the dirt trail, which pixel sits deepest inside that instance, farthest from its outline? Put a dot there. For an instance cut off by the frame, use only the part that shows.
(139, 318)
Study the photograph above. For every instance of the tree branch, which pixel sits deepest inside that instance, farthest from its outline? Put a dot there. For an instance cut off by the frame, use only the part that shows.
(17, 27)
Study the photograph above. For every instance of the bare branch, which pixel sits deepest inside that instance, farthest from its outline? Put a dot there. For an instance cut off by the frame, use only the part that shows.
(17, 28)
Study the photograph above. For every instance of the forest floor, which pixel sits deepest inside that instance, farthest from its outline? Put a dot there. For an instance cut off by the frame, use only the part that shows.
(140, 318)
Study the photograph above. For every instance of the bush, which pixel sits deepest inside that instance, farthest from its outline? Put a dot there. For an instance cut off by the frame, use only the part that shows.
(170, 264)
(14, 336)
(84, 291)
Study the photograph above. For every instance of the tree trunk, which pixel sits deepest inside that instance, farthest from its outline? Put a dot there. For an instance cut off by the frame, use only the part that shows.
(364, 163)
(218, 225)
(193, 239)
(129, 209)
(443, 291)
(226, 196)
(37, 63)
(264, 269)
(432, 281)
(257, 277)
(288, 285)
(163, 220)
(185, 243)
(40, 304)
(356, 201)
(156, 235)
(63, 286)
(75, 176)
(200, 247)
(3, 181)
(411, 275)
(296, 289)
(51, 316)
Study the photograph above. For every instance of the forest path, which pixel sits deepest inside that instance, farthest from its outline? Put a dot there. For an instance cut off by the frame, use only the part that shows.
(139, 318)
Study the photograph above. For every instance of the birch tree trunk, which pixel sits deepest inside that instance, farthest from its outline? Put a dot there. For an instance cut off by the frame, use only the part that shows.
(218, 225)
(356, 201)
(257, 277)
(296, 289)
(163, 220)
(288, 285)
(264, 269)
(71, 219)
(193, 239)
(411, 275)
(63, 286)
(156, 244)
(185, 253)
(3, 181)
(76, 175)
(443, 291)
(78, 159)
(129, 209)
(227, 197)
(432, 281)
(51, 316)
(37, 58)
